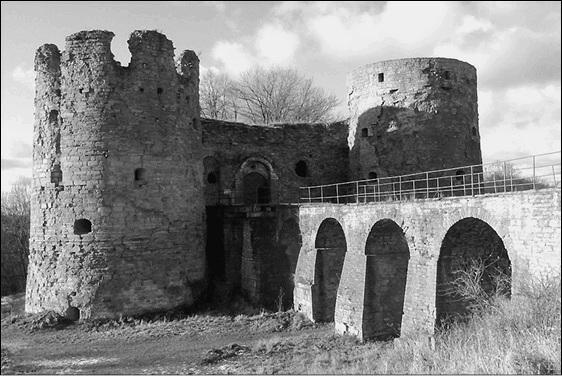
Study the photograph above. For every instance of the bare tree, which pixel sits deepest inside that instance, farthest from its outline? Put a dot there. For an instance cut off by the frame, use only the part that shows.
(15, 236)
(265, 96)
(216, 95)
(281, 95)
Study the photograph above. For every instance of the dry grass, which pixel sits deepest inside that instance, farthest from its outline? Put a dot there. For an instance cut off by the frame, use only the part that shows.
(518, 336)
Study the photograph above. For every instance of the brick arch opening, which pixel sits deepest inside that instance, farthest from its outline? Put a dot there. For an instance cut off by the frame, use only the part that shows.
(471, 247)
(387, 255)
(330, 247)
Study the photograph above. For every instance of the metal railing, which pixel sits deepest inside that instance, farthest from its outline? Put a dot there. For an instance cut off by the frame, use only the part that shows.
(519, 174)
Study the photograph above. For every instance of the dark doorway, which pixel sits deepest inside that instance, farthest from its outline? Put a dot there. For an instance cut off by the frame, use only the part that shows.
(386, 272)
(331, 248)
(471, 252)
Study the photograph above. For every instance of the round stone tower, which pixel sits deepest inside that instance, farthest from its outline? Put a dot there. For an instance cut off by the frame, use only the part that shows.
(412, 115)
(117, 208)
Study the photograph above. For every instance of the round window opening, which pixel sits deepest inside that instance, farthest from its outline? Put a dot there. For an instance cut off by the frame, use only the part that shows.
(301, 169)
(212, 178)
(372, 175)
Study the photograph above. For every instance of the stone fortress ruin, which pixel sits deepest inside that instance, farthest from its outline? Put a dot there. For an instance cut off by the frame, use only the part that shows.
(139, 205)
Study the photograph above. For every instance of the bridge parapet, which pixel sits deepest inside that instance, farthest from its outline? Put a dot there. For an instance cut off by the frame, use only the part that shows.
(520, 174)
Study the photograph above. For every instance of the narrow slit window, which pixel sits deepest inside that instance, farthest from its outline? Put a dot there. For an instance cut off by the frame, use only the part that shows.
(364, 132)
(140, 176)
(381, 77)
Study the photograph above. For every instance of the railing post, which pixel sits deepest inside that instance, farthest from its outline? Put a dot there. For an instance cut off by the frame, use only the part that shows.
(452, 191)
(309, 197)
(504, 177)
(400, 188)
(534, 174)
(471, 181)
(378, 190)
(322, 193)
(426, 184)
(437, 186)
(480, 182)
(553, 175)
(337, 194)
(464, 184)
(357, 190)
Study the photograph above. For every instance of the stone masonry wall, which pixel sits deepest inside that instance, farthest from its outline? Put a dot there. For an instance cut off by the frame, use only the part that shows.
(280, 147)
(117, 207)
(528, 224)
(412, 115)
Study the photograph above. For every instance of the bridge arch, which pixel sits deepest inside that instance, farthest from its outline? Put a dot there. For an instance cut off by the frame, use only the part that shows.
(387, 255)
(331, 246)
(470, 246)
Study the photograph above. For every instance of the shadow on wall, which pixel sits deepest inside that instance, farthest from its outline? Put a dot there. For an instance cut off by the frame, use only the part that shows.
(279, 267)
(330, 247)
(391, 140)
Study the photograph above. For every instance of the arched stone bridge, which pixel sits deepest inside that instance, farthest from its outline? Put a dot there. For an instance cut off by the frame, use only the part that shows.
(379, 269)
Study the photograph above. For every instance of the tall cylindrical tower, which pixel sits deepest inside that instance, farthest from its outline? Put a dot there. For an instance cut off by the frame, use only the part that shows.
(412, 115)
(119, 227)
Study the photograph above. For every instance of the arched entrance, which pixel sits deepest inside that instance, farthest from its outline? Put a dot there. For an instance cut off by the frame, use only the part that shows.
(471, 252)
(330, 247)
(387, 255)
(254, 182)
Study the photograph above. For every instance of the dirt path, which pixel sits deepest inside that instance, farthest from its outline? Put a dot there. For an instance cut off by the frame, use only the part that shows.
(199, 344)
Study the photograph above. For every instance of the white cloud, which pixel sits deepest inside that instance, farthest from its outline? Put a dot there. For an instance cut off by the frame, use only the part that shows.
(219, 6)
(401, 27)
(520, 121)
(276, 45)
(233, 57)
(24, 76)
(271, 45)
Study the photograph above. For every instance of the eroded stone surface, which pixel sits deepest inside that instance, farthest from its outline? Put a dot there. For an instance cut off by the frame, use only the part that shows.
(412, 115)
(117, 218)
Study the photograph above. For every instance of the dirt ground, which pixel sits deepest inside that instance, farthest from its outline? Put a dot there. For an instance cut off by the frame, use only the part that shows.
(203, 343)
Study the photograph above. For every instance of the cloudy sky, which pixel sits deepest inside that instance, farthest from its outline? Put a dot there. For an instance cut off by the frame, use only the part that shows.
(515, 47)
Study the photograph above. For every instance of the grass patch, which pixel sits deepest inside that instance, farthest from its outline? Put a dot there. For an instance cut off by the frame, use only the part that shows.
(517, 336)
